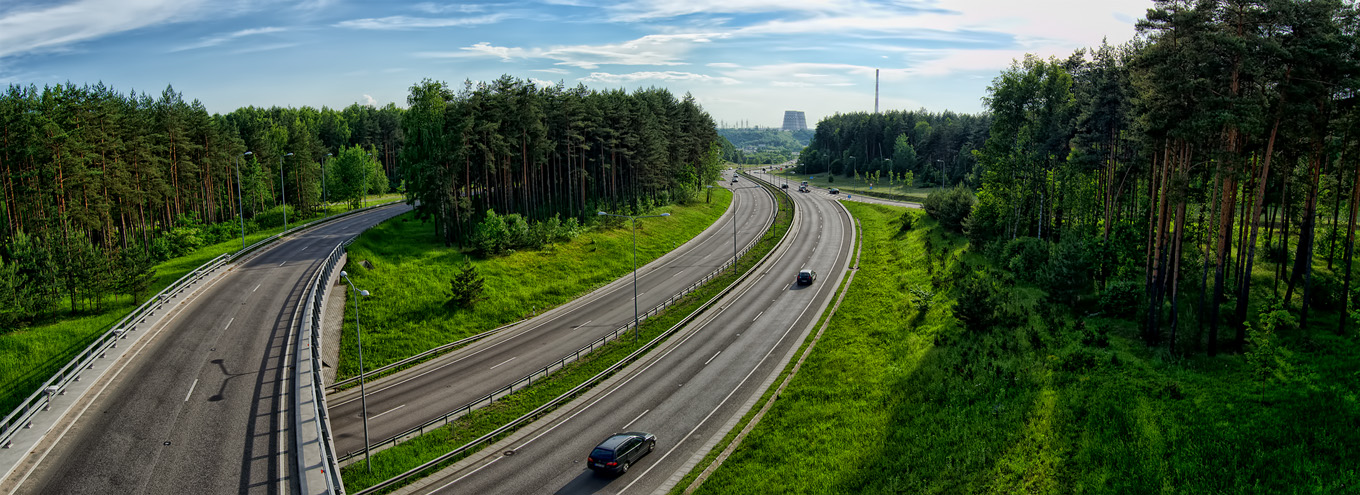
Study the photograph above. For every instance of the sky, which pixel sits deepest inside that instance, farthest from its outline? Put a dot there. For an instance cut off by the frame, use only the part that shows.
(745, 61)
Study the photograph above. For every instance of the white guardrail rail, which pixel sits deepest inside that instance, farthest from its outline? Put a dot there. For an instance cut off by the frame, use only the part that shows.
(144, 317)
(543, 372)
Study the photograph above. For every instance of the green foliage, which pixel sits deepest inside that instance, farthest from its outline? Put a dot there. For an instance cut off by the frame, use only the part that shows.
(908, 220)
(1122, 298)
(466, 286)
(1025, 257)
(950, 207)
(1267, 359)
(1067, 274)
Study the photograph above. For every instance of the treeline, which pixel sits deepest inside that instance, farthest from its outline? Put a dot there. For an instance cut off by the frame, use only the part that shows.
(511, 147)
(1215, 150)
(96, 186)
(937, 148)
(762, 145)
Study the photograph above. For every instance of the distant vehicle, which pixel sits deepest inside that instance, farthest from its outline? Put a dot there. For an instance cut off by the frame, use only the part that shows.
(783, 186)
(805, 277)
(802, 189)
(734, 179)
(835, 191)
(805, 183)
(618, 452)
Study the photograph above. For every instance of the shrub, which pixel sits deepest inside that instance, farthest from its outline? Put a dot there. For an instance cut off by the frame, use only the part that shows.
(489, 236)
(1068, 273)
(1122, 298)
(976, 300)
(950, 207)
(273, 217)
(1025, 257)
(466, 287)
(908, 221)
(1325, 291)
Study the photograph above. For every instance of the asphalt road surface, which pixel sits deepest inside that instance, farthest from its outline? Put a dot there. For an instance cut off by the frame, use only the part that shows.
(197, 411)
(824, 193)
(685, 392)
(403, 401)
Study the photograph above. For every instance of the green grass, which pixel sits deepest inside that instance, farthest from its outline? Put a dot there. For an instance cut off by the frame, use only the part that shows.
(405, 456)
(409, 282)
(893, 400)
(28, 357)
(851, 185)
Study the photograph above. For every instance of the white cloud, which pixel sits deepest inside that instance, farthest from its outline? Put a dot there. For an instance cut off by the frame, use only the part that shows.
(655, 49)
(552, 71)
(608, 78)
(217, 40)
(436, 8)
(53, 27)
(542, 83)
(402, 22)
(370, 102)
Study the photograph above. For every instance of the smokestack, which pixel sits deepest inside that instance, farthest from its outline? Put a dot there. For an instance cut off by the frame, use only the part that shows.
(875, 90)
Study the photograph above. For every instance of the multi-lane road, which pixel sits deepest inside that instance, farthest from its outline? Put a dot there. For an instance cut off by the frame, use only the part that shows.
(686, 392)
(418, 395)
(199, 409)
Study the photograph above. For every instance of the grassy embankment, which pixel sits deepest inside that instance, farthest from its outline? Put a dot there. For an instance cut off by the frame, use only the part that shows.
(899, 398)
(407, 455)
(851, 185)
(30, 356)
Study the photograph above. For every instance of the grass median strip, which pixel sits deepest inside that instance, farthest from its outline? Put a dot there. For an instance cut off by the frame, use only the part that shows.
(403, 457)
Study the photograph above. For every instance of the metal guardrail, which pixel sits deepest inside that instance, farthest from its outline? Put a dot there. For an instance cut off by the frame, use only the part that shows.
(369, 374)
(543, 372)
(22, 415)
(315, 445)
(588, 383)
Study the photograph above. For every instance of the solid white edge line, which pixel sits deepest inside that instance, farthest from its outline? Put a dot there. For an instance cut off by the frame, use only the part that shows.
(715, 356)
(257, 287)
(757, 316)
(281, 264)
(375, 416)
(229, 323)
(503, 362)
(630, 423)
(191, 390)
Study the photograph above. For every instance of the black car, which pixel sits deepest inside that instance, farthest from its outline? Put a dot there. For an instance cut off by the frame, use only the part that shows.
(783, 186)
(805, 277)
(835, 191)
(618, 452)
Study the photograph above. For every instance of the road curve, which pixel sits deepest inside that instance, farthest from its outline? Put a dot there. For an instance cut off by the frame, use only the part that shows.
(688, 393)
(403, 401)
(197, 409)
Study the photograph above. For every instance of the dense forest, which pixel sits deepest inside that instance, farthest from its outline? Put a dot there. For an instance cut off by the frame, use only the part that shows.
(511, 147)
(97, 186)
(762, 145)
(936, 148)
(1203, 173)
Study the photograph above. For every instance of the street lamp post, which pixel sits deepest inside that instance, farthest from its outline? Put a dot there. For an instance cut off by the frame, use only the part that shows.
(283, 192)
(358, 338)
(635, 292)
(323, 176)
(941, 162)
(240, 209)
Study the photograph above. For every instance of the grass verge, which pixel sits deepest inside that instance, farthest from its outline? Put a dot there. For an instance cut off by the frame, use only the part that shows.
(403, 457)
(411, 270)
(30, 356)
(899, 398)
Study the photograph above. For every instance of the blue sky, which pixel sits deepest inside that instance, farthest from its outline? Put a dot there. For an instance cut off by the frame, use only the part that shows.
(744, 60)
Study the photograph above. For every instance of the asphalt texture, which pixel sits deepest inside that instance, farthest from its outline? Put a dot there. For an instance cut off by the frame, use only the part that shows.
(397, 403)
(688, 392)
(198, 410)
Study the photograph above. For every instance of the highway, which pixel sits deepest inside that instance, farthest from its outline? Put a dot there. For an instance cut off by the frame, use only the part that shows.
(688, 391)
(824, 192)
(420, 394)
(198, 408)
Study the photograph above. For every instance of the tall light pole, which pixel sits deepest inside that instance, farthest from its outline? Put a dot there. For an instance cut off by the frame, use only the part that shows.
(283, 192)
(635, 293)
(324, 161)
(358, 338)
(941, 162)
(239, 208)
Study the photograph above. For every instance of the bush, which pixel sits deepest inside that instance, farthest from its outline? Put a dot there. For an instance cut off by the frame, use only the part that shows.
(908, 221)
(1068, 273)
(1025, 257)
(466, 287)
(950, 207)
(1122, 298)
(489, 236)
(1325, 292)
(976, 299)
(274, 217)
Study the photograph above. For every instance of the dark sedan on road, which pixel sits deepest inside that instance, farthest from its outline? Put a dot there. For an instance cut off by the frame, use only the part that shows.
(618, 452)
(805, 277)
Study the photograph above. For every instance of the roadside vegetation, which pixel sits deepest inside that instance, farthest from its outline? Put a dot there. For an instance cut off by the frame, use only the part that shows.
(407, 455)
(29, 356)
(1039, 398)
(412, 274)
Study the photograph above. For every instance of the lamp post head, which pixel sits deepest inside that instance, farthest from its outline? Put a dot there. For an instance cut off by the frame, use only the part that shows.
(602, 213)
(248, 153)
(343, 274)
(290, 154)
(363, 293)
(665, 214)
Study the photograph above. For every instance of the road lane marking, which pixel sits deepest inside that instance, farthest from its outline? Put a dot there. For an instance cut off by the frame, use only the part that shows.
(630, 423)
(757, 316)
(503, 362)
(191, 390)
(375, 416)
(474, 471)
(281, 264)
(715, 356)
(257, 287)
(229, 323)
